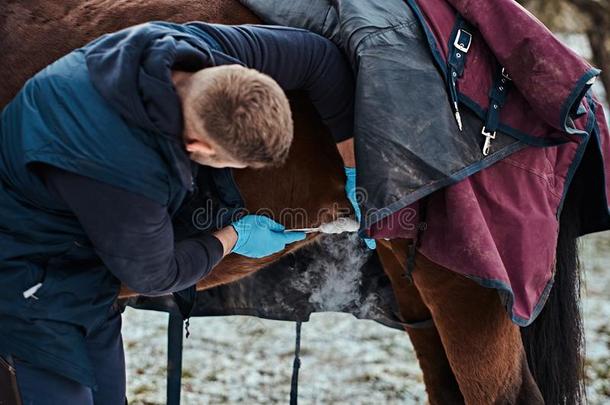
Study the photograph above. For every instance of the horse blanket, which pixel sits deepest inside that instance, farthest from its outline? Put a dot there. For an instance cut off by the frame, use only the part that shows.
(478, 107)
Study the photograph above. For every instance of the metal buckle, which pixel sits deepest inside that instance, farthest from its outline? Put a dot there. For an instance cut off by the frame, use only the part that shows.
(488, 137)
(506, 75)
(459, 44)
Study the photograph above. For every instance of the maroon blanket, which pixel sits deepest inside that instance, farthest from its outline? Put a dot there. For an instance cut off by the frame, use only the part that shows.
(500, 225)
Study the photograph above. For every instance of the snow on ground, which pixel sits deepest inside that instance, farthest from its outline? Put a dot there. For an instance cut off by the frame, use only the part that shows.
(241, 359)
(238, 359)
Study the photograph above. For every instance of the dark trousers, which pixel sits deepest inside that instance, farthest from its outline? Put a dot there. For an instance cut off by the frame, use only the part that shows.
(105, 348)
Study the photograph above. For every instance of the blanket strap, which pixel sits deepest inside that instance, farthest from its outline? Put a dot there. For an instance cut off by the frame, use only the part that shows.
(294, 385)
(415, 244)
(462, 39)
(186, 300)
(174, 358)
(497, 98)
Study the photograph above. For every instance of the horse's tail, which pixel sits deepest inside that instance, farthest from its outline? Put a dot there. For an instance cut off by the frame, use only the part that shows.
(554, 342)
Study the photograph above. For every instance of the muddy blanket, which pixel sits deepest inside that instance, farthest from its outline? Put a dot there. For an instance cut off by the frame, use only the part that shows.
(336, 274)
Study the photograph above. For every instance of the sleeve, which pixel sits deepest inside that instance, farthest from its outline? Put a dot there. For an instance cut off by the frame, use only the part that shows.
(133, 235)
(297, 59)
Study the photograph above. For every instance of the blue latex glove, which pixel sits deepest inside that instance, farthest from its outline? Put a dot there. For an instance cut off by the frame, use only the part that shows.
(350, 191)
(259, 236)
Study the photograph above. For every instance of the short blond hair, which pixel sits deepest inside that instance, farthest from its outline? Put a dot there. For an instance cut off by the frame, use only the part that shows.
(247, 113)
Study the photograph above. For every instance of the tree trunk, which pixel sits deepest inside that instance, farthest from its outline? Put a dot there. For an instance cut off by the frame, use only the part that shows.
(599, 37)
(600, 47)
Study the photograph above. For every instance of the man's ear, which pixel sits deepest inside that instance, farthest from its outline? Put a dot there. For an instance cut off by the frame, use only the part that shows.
(200, 146)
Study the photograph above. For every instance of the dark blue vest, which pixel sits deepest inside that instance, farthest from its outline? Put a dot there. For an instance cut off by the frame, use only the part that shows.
(59, 118)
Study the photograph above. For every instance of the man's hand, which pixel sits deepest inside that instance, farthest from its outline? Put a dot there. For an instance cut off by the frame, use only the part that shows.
(259, 236)
(350, 191)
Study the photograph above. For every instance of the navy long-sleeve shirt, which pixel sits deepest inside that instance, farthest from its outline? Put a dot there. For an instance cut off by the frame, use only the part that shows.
(132, 234)
(296, 59)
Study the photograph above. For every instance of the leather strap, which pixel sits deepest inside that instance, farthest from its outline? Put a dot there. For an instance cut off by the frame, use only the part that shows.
(497, 99)
(461, 40)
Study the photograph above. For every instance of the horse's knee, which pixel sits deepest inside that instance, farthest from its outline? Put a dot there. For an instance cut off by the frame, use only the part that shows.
(441, 385)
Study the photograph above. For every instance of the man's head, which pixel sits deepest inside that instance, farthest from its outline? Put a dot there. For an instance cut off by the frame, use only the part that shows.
(235, 117)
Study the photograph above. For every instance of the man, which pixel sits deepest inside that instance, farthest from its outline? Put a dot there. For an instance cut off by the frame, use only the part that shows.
(96, 157)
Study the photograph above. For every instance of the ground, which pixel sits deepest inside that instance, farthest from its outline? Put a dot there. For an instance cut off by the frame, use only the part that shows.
(232, 360)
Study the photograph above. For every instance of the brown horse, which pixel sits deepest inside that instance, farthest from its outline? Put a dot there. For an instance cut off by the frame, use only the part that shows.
(471, 353)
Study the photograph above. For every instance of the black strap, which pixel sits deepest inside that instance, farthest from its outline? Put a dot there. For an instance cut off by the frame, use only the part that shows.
(425, 324)
(174, 359)
(9, 390)
(460, 43)
(421, 227)
(497, 99)
(186, 300)
(408, 274)
(294, 385)
(462, 40)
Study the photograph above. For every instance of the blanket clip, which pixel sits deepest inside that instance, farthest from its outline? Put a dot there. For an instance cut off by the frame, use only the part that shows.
(488, 137)
(29, 293)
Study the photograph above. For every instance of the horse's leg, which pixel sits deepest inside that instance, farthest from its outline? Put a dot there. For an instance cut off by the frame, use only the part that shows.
(440, 382)
(483, 346)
